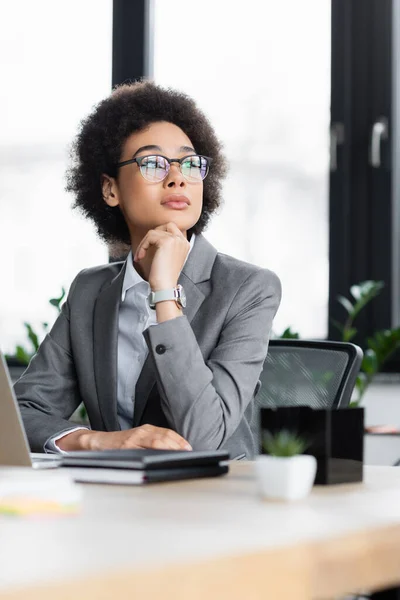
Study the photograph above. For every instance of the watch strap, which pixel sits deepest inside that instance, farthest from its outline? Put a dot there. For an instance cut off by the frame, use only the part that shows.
(162, 295)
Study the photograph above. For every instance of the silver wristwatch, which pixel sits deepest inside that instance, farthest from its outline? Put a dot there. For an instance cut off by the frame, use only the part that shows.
(177, 294)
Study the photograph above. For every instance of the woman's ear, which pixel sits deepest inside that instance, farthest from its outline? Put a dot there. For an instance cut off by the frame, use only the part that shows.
(109, 189)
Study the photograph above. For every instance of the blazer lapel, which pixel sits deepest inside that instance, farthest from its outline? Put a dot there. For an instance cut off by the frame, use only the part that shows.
(197, 269)
(105, 336)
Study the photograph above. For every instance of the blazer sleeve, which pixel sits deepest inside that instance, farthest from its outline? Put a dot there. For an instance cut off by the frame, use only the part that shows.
(47, 392)
(205, 401)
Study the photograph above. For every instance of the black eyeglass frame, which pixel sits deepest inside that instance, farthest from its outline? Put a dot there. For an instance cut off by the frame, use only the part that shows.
(139, 160)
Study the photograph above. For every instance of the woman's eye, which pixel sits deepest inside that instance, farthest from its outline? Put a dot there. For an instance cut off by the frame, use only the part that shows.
(151, 164)
(191, 164)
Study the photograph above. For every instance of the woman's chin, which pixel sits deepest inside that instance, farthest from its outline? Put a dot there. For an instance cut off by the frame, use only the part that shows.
(184, 222)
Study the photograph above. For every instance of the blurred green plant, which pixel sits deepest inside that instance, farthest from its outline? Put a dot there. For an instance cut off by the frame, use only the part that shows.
(288, 334)
(283, 443)
(22, 354)
(378, 348)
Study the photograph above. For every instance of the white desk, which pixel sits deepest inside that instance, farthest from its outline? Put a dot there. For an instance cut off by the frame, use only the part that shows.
(209, 539)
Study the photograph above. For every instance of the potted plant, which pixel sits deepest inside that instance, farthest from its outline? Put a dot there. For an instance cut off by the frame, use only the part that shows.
(283, 471)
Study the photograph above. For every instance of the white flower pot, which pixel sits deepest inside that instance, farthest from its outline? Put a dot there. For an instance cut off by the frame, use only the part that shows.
(285, 478)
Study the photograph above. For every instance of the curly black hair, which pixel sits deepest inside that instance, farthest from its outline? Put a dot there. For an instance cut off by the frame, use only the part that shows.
(97, 148)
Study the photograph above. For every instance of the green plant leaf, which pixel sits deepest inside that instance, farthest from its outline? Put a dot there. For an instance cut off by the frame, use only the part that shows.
(288, 334)
(82, 412)
(356, 292)
(354, 404)
(32, 336)
(22, 355)
(56, 302)
(338, 325)
(349, 333)
(362, 382)
(384, 343)
(366, 291)
(346, 304)
(284, 443)
(370, 362)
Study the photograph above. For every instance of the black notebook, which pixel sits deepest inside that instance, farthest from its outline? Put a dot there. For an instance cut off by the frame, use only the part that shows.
(144, 466)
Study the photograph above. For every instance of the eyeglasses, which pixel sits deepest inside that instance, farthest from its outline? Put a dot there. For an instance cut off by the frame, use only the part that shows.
(194, 168)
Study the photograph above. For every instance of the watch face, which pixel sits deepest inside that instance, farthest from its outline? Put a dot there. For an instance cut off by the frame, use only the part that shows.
(151, 300)
(182, 296)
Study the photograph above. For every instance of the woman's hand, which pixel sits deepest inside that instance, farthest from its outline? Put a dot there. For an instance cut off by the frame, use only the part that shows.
(145, 436)
(167, 248)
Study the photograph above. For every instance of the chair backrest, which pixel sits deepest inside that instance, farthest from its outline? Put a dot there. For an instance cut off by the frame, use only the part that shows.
(320, 374)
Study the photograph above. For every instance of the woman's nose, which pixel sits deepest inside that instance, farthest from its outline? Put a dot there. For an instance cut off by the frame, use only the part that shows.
(175, 177)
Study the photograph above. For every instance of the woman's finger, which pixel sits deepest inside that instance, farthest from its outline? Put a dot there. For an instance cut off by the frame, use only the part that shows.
(152, 238)
(171, 228)
(164, 444)
(171, 438)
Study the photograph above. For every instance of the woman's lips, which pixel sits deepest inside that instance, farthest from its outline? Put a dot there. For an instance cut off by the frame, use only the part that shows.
(176, 202)
(176, 205)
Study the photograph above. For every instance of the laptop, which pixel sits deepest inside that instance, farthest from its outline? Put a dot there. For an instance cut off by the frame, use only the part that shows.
(14, 446)
(107, 466)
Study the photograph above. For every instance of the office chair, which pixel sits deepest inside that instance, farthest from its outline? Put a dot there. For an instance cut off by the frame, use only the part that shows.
(320, 374)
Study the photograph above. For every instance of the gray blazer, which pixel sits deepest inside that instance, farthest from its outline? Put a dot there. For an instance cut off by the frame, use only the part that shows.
(202, 369)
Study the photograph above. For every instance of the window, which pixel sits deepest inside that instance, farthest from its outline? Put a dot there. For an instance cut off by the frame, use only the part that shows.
(55, 63)
(264, 82)
(273, 77)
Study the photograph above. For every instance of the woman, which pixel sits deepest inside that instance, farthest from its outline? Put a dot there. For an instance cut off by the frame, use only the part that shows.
(164, 349)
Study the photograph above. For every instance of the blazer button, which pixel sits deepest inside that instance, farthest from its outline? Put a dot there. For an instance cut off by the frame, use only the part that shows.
(160, 349)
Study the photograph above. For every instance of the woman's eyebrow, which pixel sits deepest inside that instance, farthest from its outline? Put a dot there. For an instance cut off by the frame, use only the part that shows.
(186, 149)
(154, 147)
(149, 147)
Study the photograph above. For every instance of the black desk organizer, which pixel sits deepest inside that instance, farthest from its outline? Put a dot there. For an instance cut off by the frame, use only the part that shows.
(335, 437)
